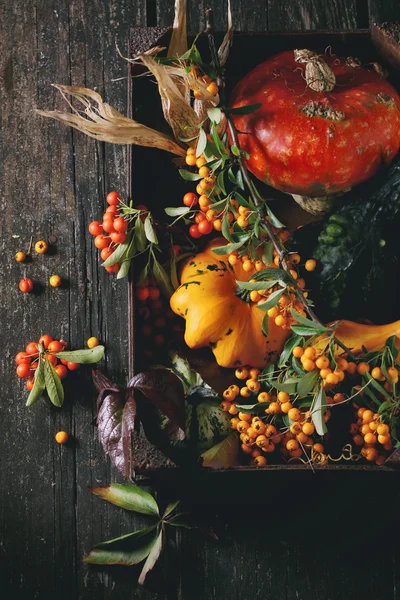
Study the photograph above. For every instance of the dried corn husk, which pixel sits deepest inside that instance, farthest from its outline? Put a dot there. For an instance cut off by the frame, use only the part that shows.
(102, 122)
(223, 50)
(178, 43)
(177, 112)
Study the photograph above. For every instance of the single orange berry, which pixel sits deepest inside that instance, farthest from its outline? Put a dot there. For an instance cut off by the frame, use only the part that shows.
(298, 351)
(20, 256)
(55, 281)
(310, 265)
(363, 368)
(62, 437)
(41, 247)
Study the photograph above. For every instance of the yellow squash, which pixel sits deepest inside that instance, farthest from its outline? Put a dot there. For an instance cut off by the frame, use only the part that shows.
(217, 318)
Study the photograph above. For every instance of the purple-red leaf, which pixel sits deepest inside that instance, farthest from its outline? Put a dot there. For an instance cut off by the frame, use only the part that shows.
(163, 389)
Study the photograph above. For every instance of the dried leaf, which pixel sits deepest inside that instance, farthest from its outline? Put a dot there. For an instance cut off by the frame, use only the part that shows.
(177, 112)
(102, 122)
(178, 43)
(128, 496)
(223, 50)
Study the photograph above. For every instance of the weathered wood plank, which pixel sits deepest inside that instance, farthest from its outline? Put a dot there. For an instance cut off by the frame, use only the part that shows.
(310, 14)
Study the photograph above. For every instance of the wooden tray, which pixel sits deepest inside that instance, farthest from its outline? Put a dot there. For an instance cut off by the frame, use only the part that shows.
(153, 181)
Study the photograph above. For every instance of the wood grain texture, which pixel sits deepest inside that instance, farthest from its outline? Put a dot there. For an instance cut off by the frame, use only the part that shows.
(53, 182)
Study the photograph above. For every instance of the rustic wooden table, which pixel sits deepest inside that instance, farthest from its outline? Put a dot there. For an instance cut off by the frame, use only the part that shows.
(53, 183)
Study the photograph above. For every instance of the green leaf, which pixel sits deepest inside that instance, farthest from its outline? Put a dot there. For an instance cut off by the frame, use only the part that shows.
(391, 344)
(162, 279)
(239, 179)
(129, 549)
(139, 235)
(218, 205)
(306, 331)
(385, 407)
(265, 324)
(291, 342)
(275, 274)
(214, 114)
(152, 557)
(267, 254)
(243, 202)
(53, 383)
(118, 253)
(149, 230)
(307, 383)
(201, 142)
(216, 139)
(307, 322)
(246, 109)
(290, 388)
(188, 376)
(84, 357)
(255, 285)
(39, 384)
(128, 496)
(174, 273)
(230, 247)
(222, 455)
(235, 150)
(170, 508)
(379, 388)
(225, 227)
(273, 219)
(177, 211)
(189, 176)
(318, 412)
(221, 182)
(273, 300)
(124, 269)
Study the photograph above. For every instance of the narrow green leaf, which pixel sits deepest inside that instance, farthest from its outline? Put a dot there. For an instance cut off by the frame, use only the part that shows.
(152, 557)
(174, 273)
(239, 179)
(231, 176)
(189, 176)
(222, 455)
(126, 550)
(385, 407)
(39, 384)
(216, 139)
(374, 383)
(306, 331)
(170, 508)
(274, 219)
(128, 496)
(286, 354)
(211, 151)
(307, 322)
(53, 383)
(255, 285)
(214, 114)
(235, 150)
(230, 247)
(177, 211)
(85, 356)
(201, 142)
(139, 235)
(162, 279)
(124, 269)
(225, 227)
(307, 383)
(265, 324)
(267, 254)
(318, 411)
(272, 300)
(221, 182)
(273, 273)
(290, 388)
(391, 344)
(149, 230)
(246, 109)
(119, 252)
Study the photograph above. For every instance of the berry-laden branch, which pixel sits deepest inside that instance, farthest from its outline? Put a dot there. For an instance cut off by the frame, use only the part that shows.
(276, 242)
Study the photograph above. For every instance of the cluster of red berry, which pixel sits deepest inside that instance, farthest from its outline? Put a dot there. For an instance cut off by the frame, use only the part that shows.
(28, 361)
(111, 231)
(26, 285)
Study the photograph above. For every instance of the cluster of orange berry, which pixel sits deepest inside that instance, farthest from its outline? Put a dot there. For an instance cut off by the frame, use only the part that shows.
(201, 80)
(111, 231)
(28, 361)
(259, 437)
(371, 435)
(314, 358)
(26, 285)
(158, 322)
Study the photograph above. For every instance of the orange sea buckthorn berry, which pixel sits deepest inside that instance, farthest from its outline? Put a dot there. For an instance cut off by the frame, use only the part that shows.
(295, 259)
(393, 373)
(258, 427)
(254, 373)
(233, 410)
(270, 431)
(322, 362)
(55, 281)
(92, 342)
(366, 429)
(274, 408)
(310, 265)
(190, 159)
(61, 437)
(245, 392)
(308, 428)
(384, 439)
(244, 416)
(310, 353)
(380, 460)
(358, 440)
(342, 364)
(234, 423)
(383, 429)
(298, 351)
(376, 373)
(259, 265)
(332, 379)
(286, 406)
(338, 398)
(308, 365)
(292, 445)
(370, 438)
(283, 397)
(20, 256)
(260, 461)
(245, 449)
(318, 448)
(351, 368)
(295, 428)
(255, 296)
(371, 454)
(241, 373)
(225, 405)
(280, 321)
(294, 414)
(26, 286)
(353, 429)
(263, 397)
(253, 385)
(363, 368)
(233, 259)
(252, 433)
(262, 441)
(273, 312)
(41, 247)
(242, 426)
(367, 416)
(242, 222)
(204, 171)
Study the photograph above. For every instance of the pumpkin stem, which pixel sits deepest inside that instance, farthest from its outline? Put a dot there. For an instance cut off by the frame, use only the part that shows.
(316, 206)
(319, 76)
